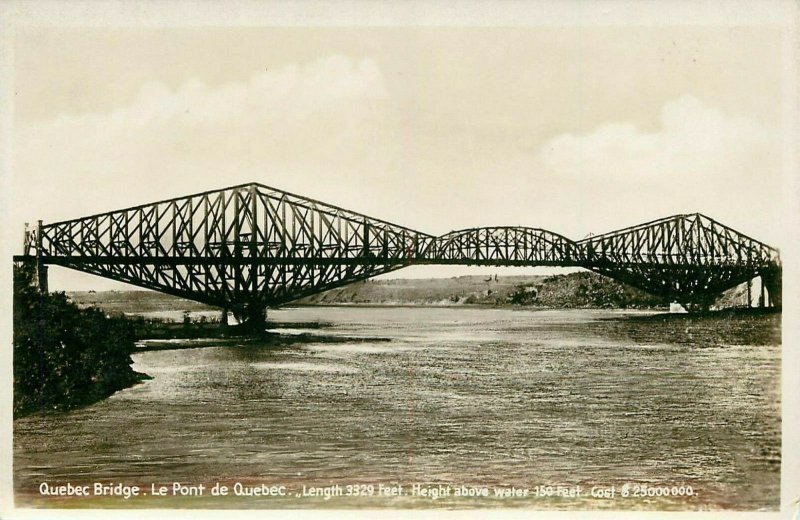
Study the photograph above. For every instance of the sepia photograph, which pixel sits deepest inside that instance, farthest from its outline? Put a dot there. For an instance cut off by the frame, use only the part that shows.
(420, 257)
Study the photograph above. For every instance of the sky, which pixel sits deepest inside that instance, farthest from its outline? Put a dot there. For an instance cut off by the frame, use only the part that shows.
(573, 129)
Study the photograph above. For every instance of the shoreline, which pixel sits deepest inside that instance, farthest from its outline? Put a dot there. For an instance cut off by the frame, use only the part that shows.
(164, 329)
(509, 306)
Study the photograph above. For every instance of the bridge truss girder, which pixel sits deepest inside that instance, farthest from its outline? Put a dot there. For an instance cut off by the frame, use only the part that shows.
(503, 246)
(687, 258)
(249, 247)
(242, 248)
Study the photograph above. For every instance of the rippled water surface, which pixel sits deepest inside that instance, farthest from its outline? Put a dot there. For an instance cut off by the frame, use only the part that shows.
(457, 396)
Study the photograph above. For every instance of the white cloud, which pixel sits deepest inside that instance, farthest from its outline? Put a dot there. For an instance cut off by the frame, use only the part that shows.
(697, 159)
(694, 140)
(331, 130)
(322, 121)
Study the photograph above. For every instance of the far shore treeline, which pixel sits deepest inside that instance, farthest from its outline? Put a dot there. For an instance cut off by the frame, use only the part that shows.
(65, 356)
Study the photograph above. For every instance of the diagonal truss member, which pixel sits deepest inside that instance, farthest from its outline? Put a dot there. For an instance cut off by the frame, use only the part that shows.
(249, 247)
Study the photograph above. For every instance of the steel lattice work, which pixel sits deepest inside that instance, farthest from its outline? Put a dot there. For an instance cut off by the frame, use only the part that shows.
(250, 247)
(686, 258)
(500, 246)
(243, 248)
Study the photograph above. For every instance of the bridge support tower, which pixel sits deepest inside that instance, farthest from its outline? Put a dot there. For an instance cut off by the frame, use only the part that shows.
(41, 267)
(252, 317)
(771, 280)
(223, 319)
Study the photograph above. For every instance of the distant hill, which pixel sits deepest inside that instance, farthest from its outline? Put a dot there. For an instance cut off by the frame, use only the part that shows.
(583, 289)
(575, 290)
(134, 301)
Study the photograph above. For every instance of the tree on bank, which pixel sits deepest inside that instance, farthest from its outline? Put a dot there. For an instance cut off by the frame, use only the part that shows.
(65, 356)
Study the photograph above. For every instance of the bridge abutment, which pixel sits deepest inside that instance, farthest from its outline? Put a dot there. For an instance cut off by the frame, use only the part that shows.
(256, 319)
(41, 277)
(771, 281)
(41, 267)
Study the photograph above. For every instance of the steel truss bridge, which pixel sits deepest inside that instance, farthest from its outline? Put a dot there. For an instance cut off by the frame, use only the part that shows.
(250, 247)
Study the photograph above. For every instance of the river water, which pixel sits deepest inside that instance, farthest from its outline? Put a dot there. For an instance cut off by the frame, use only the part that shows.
(554, 403)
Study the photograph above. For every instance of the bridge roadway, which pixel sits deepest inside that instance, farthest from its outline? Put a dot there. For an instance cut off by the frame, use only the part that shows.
(250, 247)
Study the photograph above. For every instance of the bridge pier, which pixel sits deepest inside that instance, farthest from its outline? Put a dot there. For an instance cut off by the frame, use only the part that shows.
(41, 277)
(700, 302)
(750, 293)
(256, 318)
(252, 317)
(771, 281)
(693, 307)
(41, 267)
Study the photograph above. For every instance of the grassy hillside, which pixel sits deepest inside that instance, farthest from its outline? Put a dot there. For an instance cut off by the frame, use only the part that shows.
(573, 290)
(433, 291)
(134, 301)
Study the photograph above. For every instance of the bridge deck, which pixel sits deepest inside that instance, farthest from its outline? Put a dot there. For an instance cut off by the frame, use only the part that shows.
(252, 246)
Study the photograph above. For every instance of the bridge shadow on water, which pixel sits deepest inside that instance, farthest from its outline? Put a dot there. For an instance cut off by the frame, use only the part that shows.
(266, 339)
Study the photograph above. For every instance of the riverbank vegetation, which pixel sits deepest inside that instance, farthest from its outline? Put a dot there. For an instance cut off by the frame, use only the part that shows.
(65, 356)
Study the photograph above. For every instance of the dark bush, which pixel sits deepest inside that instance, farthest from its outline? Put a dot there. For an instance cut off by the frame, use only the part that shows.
(65, 356)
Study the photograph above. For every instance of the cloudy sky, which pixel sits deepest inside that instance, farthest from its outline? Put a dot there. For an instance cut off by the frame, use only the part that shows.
(573, 129)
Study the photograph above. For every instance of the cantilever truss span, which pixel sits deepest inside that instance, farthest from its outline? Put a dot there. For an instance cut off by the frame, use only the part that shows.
(249, 247)
(686, 258)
